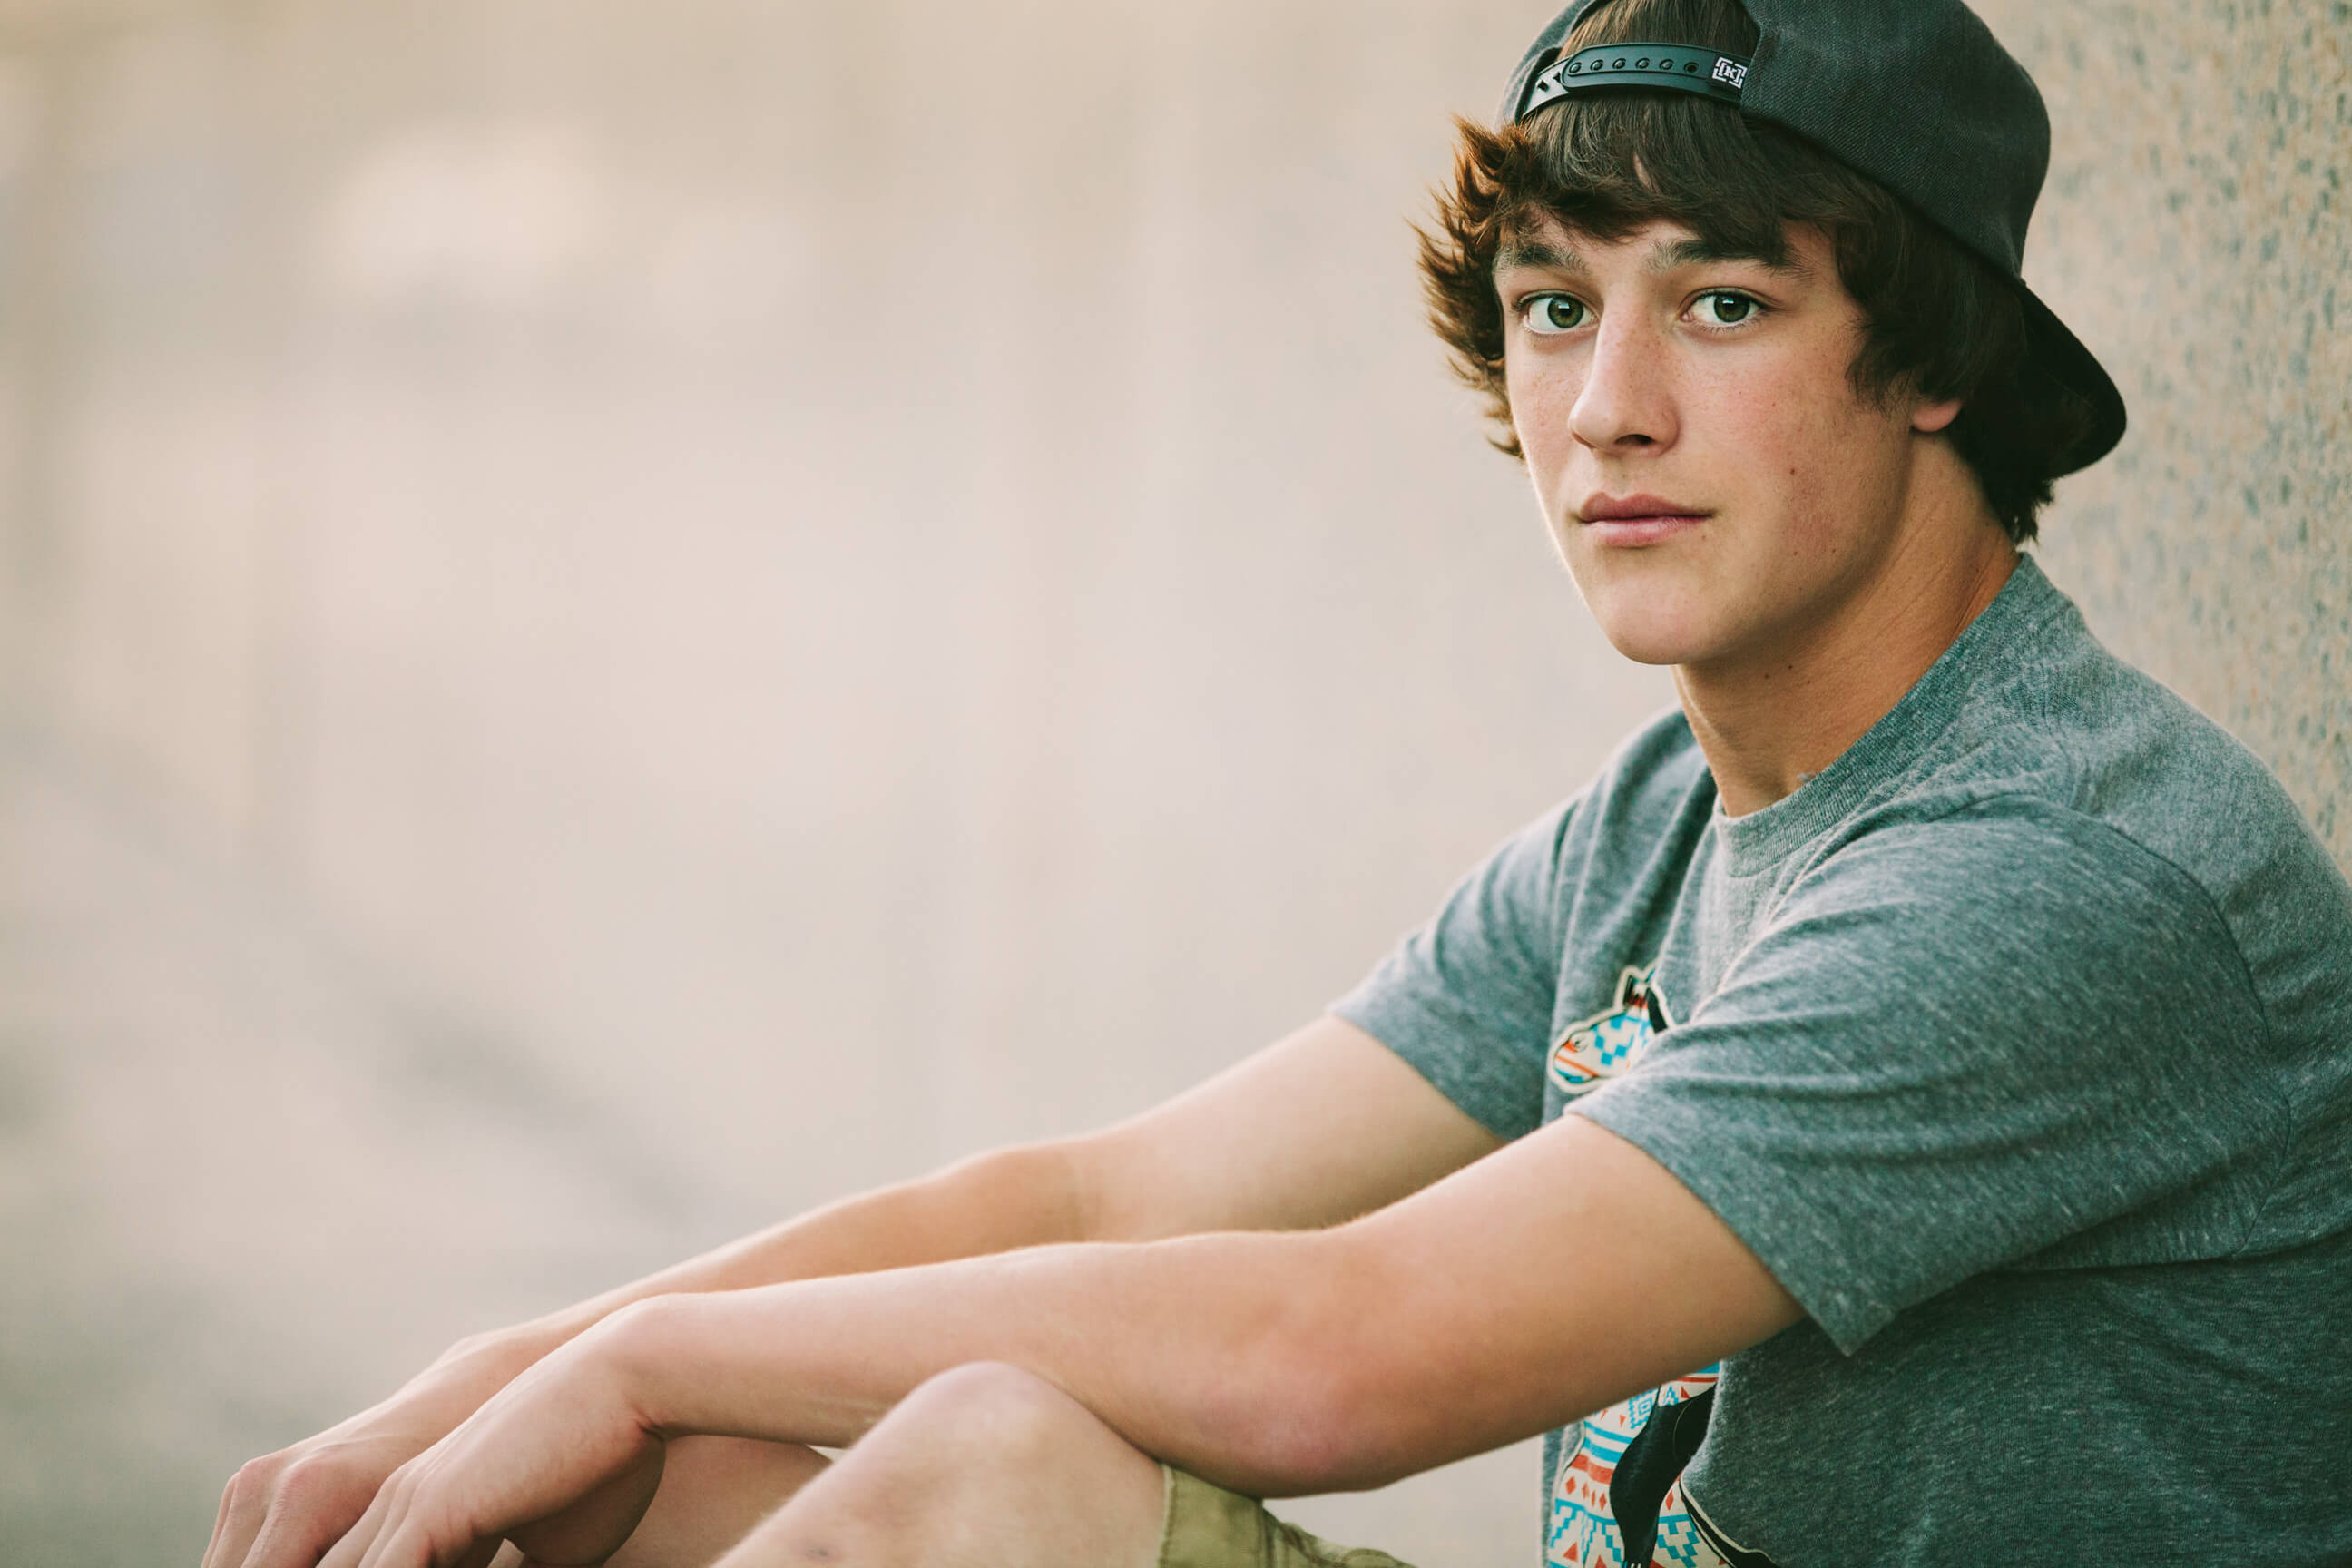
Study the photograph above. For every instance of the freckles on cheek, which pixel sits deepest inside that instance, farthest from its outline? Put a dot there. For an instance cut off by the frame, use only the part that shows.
(1814, 448)
(1540, 414)
(1525, 394)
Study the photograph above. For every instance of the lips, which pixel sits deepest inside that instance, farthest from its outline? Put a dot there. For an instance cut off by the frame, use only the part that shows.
(1635, 521)
(1635, 509)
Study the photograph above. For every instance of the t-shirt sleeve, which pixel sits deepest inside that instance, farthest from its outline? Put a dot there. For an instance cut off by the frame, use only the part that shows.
(1954, 1045)
(1467, 999)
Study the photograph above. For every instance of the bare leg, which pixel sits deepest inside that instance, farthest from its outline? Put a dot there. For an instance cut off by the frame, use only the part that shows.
(984, 1466)
(713, 1490)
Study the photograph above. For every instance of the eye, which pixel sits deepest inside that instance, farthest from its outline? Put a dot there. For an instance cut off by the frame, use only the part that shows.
(1549, 314)
(1726, 308)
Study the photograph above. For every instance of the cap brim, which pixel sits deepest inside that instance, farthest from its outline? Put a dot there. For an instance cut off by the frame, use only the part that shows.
(2059, 356)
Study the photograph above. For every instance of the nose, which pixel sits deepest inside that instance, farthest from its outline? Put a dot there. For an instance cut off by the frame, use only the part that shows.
(1626, 403)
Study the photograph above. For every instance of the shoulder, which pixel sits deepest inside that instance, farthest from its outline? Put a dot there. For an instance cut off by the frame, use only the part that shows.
(2068, 742)
(2020, 876)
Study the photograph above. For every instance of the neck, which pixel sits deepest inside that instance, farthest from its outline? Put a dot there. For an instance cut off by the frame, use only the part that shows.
(1770, 718)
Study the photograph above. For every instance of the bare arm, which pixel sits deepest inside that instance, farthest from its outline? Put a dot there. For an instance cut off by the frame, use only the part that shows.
(1316, 1129)
(285, 1508)
(1484, 1310)
(1486, 1307)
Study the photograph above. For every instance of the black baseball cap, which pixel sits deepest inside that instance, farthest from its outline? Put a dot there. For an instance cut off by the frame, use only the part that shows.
(1915, 94)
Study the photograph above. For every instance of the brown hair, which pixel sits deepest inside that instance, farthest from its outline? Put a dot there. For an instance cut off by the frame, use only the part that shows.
(1939, 321)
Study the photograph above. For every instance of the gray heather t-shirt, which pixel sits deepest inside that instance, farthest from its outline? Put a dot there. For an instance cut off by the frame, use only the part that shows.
(2018, 1045)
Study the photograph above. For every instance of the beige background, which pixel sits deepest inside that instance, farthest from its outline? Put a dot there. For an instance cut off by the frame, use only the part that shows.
(615, 620)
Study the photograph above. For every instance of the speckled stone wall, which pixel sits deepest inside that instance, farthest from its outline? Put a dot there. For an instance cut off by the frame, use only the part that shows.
(2196, 233)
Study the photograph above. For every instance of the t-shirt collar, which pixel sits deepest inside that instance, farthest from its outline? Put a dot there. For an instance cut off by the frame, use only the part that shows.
(1988, 645)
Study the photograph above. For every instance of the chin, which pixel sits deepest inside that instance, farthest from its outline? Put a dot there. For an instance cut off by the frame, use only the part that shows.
(1651, 628)
(1646, 646)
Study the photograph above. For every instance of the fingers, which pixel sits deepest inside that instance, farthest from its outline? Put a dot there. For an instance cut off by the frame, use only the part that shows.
(396, 1532)
(243, 1506)
(281, 1510)
(316, 1499)
(355, 1547)
(408, 1525)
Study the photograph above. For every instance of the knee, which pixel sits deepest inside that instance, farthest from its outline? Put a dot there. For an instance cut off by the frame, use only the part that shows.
(943, 1458)
(991, 1409)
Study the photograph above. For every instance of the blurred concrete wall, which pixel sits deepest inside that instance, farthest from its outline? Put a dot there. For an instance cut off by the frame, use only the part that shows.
(617, 619)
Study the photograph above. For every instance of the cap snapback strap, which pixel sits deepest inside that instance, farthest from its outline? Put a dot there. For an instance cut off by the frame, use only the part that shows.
(1671, 66)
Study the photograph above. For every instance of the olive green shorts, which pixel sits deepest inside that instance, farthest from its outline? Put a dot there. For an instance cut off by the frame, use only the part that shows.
(1208, 1527)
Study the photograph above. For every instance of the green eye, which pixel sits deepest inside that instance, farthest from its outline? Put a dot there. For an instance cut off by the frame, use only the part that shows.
(1724, 308)
(1549, 313)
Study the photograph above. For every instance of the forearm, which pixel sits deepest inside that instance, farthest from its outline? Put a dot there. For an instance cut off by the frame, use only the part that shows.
(996, 1201)
(1274, 1362)
(1211, 1351)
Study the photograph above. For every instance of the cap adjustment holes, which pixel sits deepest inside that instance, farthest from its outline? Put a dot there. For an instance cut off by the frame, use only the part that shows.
(1667, 65)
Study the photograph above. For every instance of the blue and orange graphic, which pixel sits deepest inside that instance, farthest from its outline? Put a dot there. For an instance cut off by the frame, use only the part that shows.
(1608, 1043)
(1578, 1529)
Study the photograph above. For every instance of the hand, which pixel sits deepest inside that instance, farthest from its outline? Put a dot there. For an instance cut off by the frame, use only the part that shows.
(286, 1508)
(563, 1461)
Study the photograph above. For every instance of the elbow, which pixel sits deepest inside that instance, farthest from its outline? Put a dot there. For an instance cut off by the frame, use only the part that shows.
(1326, 1437)
(1323, 1402)
(1324, 1426)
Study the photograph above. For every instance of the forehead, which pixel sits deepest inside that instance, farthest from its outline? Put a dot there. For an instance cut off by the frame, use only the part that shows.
(1657, 247)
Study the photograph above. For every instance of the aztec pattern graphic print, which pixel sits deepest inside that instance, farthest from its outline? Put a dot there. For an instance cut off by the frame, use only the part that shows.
(1578, 1529)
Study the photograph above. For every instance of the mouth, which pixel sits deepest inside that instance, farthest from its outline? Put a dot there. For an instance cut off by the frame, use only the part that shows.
(1636, 520)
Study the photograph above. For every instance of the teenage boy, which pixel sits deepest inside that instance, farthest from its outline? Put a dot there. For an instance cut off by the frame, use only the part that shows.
(1897, 1113)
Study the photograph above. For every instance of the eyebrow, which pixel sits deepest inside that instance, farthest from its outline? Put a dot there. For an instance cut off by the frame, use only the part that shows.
(1543, 254)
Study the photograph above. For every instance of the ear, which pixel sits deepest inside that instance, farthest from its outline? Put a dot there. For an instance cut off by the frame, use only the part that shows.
(1928, 419)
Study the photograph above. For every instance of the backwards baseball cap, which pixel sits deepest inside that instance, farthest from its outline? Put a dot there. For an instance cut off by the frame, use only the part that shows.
(1915, 94)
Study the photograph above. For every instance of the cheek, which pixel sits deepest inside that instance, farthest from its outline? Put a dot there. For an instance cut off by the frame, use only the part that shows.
(1540, 408)
(1815, 456)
